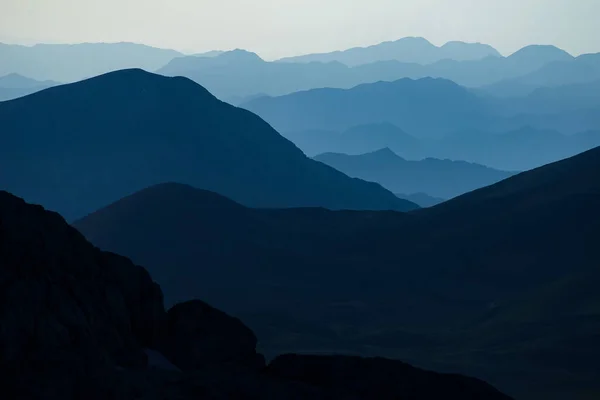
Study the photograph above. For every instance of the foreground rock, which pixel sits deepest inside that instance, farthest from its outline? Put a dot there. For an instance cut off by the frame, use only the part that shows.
(199, 335)
(78, 323)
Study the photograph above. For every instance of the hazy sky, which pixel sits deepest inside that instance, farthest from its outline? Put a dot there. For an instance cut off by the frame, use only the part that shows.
(277, 28)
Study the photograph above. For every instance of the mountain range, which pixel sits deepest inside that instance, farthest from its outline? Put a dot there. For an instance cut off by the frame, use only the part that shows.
(436, 118)
(461, 286)
(103, 138)
(438, 178)
(240, 73)
(73, 62)
(409, 50)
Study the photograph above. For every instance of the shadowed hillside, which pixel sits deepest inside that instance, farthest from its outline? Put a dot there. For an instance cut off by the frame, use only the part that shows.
(79, 323)
(417, 286)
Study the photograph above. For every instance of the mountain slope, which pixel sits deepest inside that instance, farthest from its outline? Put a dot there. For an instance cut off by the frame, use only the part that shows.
(438, 178)
(417, 286)
(410, 50)
(96, 141)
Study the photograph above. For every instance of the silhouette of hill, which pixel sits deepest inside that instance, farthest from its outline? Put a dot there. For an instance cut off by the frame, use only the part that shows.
(72, 62)
(424, 107)
(417, 286)
(15, 85)
(410, 50)
(81, 323)
(437, 178)
(98, 140)
(421, 199)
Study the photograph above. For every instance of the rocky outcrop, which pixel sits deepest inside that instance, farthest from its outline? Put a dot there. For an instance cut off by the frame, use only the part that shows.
(198, 335)
(69, 313)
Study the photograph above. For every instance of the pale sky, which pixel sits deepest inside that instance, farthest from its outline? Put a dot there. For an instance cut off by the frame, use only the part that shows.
(278, 28)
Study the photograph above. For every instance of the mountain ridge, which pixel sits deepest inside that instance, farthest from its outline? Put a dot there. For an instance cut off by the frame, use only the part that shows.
(156, 129)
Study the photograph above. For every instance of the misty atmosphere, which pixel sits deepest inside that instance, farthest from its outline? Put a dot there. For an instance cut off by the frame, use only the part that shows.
(300, 200)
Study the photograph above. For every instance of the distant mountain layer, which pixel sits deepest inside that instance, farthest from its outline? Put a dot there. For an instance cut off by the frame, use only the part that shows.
(240, 73)
(68, 63)
(355, 140)
(461, 286)
(515, 150)
(581, 70)
(417, 118)
(98, 140)
(438, 178)
(409, 50)
(421, 199)
(15, 85)
(425, 107)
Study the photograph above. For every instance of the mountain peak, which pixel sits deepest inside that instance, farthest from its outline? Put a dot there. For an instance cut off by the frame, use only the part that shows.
(545, 53)
(384, 153)
(239, 55)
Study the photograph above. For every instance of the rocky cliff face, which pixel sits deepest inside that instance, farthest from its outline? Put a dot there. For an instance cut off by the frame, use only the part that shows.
(79, 323)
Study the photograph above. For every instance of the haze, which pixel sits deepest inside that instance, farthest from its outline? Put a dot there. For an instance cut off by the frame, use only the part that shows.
(279, 28)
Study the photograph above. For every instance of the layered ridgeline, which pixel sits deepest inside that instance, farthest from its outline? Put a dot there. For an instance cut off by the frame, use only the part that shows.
(79, 323)
(15, 85)
(72, 62)
(435, 177)
(430, 108)
(77, 147)
(410, 50)
(443, 287)
(237, 74)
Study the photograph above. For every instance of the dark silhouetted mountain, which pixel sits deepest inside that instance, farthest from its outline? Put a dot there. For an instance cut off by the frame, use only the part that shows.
(98, 140)
(72, 62)
(356, 140)
(410, 50)
(521, 149)
(79, 323)
(15, 85)
(421, 199)
(414, 286)
(425, 107)
(438, 178)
